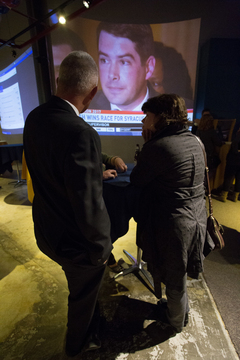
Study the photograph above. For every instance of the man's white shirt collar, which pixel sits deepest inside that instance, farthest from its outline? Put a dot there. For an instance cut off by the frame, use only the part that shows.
(74, 107)
(137, 108)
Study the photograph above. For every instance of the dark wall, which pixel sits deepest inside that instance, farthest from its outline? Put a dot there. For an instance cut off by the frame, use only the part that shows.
(219, 79)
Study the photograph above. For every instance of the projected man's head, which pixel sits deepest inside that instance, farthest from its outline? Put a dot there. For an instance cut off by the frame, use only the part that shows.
(64, 41)
(171, 73)
(126, 62)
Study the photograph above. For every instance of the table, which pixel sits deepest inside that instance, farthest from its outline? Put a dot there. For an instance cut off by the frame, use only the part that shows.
(122, 202)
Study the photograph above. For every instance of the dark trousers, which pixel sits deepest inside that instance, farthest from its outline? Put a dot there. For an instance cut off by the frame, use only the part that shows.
(84, 281)
(231, 172)
(177, 303)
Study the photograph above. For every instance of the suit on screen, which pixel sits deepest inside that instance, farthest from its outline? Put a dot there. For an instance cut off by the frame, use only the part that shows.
(101, 102)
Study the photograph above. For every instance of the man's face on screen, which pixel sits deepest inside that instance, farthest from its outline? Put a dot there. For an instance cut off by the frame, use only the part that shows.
(123, 77)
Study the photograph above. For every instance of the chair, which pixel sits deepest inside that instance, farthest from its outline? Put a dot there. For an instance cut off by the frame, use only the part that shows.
(26, 176)
(9, 154)
(19, 181)
(226, 126)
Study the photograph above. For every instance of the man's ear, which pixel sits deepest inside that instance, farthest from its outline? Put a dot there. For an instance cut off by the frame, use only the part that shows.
(90, 96)
(93, 92)
(150, 65)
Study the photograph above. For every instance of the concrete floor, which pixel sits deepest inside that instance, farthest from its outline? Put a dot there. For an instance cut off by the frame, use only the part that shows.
(33, 302)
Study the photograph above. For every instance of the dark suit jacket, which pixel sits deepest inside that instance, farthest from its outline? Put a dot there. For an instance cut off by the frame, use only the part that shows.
(100, 101)
(63, 154)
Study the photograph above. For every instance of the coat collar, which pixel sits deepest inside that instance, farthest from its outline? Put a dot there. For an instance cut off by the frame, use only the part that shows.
(172, 129)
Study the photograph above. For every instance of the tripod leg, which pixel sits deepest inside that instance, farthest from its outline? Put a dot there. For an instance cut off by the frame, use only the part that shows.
(130, 257)
(147, 277)
(137, 266)
(130, 270)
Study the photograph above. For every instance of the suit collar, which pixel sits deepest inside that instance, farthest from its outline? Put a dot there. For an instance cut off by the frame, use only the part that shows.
(62, 104)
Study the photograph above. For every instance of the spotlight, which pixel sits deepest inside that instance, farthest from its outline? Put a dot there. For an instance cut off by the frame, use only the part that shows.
(87, 3)
(61, 18)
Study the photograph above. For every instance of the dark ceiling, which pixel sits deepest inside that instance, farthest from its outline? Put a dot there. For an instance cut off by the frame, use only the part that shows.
(17, 20)
(218, 17)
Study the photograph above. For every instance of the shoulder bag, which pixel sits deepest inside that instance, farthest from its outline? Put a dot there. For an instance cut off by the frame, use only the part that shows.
(214, 229)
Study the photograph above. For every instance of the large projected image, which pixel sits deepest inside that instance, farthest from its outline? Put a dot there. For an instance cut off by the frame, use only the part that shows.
(18, 95)
(136, 61)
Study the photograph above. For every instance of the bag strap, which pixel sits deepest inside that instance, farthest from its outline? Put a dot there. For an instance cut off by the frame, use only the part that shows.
(207, 177)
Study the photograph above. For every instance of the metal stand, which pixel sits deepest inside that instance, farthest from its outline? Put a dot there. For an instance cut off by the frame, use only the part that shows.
(136, 267)
(19, 181)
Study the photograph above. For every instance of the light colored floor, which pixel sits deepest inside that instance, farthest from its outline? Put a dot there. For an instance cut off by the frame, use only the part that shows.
(33, 302)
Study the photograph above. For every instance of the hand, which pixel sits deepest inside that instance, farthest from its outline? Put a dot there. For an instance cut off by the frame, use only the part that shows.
(109, 174)
(147, 134)
(120, 165)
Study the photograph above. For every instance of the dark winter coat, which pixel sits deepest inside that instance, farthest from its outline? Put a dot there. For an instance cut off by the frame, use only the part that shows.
(172, 214)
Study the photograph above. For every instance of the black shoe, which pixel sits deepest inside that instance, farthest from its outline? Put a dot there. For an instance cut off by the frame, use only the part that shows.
(185, 320)
(118, 266)
(93, 343)
(91, 340)
(72, 349)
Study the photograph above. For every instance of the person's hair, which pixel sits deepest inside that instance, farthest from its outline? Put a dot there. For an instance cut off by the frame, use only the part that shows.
(140, 34)
(78, 73)
(206, 122)
(170, 108)
(176, 78)
(206, 110)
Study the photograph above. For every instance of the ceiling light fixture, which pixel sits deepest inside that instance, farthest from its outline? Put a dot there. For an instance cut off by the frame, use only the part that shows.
(11, 41)
(87, 3)
(62, 17)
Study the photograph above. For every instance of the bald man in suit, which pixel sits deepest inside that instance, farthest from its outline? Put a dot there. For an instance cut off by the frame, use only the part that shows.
(71, 223)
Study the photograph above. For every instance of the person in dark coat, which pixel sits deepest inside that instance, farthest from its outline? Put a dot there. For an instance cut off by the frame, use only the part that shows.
(232, 172)
(71, 223)
(171, 224)
(197, 121)
(211, 141)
